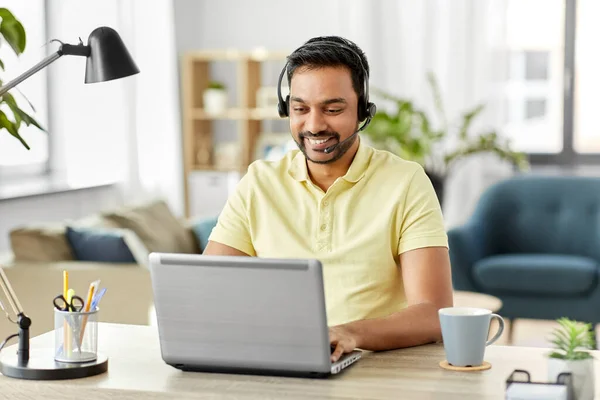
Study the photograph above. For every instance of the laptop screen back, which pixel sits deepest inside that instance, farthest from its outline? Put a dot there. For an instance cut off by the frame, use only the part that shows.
(240, 312)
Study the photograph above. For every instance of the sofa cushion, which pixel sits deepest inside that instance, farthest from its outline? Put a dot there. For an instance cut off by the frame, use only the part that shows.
(156, 226)
(536, 274)
(44, 242)
(99, 245)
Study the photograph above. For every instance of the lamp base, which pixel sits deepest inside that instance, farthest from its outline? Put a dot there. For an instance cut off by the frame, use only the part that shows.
(42, 366)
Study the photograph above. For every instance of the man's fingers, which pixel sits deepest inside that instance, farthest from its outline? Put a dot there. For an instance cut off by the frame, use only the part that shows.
(337, 353)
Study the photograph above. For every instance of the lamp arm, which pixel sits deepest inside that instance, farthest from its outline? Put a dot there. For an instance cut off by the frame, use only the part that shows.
(23, 321)
(39, 66)
(10, 293)
(65, 49)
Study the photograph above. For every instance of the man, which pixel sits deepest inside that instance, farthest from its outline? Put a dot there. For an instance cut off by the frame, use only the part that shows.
(371, 218)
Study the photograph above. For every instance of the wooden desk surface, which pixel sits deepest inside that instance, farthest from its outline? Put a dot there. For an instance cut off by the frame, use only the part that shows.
(136, 371)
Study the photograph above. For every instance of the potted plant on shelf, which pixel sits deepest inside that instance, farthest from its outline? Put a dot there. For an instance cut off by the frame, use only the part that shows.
(408, 132)
(215, 98)
(572, 341)
(13, 33)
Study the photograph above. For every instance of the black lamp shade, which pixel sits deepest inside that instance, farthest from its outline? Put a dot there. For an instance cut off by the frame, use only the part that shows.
(108, 58)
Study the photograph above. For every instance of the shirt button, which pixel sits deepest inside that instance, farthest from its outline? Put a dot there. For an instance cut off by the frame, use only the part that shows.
(325, 203)
(323, 227)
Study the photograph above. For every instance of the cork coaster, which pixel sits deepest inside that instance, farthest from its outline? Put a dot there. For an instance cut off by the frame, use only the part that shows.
(486, 365)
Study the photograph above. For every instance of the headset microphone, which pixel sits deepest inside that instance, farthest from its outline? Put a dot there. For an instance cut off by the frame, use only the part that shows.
(334, 146)
(331, 148)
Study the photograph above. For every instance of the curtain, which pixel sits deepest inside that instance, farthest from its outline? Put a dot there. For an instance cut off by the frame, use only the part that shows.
(126, 130)
(460, 41)
(154, 154)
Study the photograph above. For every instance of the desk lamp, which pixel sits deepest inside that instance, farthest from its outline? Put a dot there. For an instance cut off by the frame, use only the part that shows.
(107, 59)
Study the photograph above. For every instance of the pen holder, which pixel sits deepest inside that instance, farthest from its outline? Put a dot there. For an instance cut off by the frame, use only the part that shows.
(75, 336)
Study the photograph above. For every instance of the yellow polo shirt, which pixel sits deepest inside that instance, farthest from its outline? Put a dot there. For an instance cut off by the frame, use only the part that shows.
(382, 207)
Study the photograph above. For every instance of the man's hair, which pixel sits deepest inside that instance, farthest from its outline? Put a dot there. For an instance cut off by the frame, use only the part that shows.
(323, 51)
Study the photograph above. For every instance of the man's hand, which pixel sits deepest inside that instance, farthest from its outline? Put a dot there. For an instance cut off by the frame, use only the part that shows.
(343, 340)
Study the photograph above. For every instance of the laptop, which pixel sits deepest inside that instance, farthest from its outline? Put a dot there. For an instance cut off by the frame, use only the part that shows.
(249, 315)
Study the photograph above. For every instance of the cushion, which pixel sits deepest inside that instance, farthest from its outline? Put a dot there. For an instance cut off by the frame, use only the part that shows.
(536, 274)
(46, 242)
(40, 243)
(155, 225)
(100, 245)
(202, 229)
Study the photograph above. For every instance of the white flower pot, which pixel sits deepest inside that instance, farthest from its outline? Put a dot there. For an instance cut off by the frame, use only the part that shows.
(215, 101)
(583, 375)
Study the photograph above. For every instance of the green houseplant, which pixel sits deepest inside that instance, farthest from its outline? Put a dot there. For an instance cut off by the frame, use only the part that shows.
(408, 132)
(13, 117)
(572, 341)
(215, 98)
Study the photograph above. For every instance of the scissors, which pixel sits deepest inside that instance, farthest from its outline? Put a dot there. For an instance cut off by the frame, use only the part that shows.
(62, 304)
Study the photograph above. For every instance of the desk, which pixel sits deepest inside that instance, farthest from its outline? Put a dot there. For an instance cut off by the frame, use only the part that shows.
(136, 371)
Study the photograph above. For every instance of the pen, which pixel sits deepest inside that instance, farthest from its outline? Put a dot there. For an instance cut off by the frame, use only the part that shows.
(93, 288)
(97, 298)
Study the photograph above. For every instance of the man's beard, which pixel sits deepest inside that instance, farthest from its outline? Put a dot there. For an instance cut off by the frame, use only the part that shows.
(338, 152)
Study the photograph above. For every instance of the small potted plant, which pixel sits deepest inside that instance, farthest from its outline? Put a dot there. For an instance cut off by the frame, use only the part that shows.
(572, 341)
(215, 98)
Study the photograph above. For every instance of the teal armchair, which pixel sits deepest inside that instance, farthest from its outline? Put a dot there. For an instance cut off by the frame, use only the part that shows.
(202, 228)
(534, 242)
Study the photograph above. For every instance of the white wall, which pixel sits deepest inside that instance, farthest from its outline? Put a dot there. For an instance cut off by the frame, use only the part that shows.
(275, 24)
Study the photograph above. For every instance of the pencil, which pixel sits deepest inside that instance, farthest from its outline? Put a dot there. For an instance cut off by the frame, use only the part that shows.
(88, 304)
(67, 335)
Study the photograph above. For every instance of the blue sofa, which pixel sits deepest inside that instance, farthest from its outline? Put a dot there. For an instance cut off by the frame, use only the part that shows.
(534, 242)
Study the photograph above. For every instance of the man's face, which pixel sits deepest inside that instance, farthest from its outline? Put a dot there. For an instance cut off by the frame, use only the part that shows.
(323, 111)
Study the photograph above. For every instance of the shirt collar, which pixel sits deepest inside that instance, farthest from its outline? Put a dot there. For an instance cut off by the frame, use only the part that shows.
(299, 171)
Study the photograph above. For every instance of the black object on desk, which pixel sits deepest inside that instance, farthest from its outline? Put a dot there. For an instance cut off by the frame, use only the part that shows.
(39, 364)
(520, 376)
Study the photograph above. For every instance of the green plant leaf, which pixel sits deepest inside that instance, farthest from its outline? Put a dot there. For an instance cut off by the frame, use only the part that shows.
(571, 339)
(12, 104)
(10, 127)
(6, 14)
(467, 120)
(556, 354)
(437, 99)
(29, 120)
(1, 66)
(26, 99)
(19, 114)
(14, 34)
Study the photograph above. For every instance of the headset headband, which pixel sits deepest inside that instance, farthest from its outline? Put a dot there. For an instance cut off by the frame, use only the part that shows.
(366, 110)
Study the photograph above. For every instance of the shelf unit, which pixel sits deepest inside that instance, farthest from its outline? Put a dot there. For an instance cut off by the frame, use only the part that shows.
(198, 148)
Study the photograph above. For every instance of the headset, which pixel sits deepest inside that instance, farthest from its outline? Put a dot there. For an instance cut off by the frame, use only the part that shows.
(366, 109)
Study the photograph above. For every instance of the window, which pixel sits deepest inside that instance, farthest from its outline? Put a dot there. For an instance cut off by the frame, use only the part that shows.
(533, 87)
(586, 134)
(14, 158)
(552, 79)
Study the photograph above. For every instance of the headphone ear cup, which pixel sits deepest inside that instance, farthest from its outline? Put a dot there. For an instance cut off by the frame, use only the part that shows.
(283, 108)
(371, 110)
